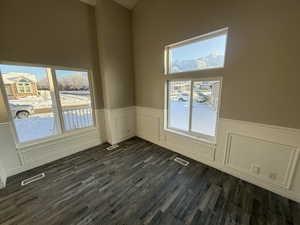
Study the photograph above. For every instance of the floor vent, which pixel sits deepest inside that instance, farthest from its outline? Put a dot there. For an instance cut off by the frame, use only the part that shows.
(33, 179)
(110, 148)
(181, 161)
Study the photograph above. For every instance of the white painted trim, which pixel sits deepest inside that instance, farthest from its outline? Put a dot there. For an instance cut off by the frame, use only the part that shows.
(150, 126)
(290, 187)
(262, 125)
(200, 136)
(101, 125)
(38, 155)
(120, 124)
(3, 176)
(291, 167)
(51, 75)
(30, 156)
(203, 37)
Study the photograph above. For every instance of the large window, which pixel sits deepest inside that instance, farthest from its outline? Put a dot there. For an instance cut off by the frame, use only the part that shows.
(193, 106)
(45, 101)
(200, 53)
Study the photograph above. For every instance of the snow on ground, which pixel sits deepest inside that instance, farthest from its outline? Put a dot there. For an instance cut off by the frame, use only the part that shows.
(203, 120)
(43, 125)
(40, 126)
(46, 102)
(76, 92)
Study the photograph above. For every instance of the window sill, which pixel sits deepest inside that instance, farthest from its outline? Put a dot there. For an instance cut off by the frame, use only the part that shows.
(50, 140)
(200, 139)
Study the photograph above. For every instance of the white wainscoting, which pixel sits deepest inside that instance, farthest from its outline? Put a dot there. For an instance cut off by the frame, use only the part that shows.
(113, 125)
(3, 176)
(15, 160)
(267, 156)
(150, 126)
(264, 155)
(101, 124)
(120, 124)
(244, 146)
(8, 154)
(37, 155)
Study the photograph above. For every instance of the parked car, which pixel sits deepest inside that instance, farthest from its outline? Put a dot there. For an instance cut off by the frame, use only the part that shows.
(21, 111)
(199, 97)
(182, 97)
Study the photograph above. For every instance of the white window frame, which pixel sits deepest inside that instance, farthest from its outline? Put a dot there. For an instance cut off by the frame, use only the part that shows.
(190, 133)
(223, 31)
(57, 109)
(24, 86)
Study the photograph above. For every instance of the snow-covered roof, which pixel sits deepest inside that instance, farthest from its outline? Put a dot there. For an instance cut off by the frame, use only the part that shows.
(10, 78)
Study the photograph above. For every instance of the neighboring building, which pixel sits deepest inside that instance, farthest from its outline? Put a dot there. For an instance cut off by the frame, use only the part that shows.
(19, 85)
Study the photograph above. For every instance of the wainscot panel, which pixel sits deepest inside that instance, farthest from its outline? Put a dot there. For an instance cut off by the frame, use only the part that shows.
(261, 154)
(120, 124)
(37, 155)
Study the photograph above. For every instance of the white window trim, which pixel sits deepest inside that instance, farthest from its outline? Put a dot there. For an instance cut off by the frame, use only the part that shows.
(190, 133)
(61, 132)
(190, 41)
(24, 86)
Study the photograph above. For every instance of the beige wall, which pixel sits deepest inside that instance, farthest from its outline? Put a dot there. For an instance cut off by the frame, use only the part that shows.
(52, 32)
(115, 51)
(261, 75)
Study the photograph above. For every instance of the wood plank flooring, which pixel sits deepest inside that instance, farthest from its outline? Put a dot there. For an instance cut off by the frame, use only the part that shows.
(138, 184)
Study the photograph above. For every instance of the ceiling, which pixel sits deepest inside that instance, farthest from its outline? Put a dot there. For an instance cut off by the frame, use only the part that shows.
(129, 4)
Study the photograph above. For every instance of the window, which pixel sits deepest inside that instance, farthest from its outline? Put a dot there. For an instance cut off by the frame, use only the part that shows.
(47, 102)
(204, 52)
(24, 87)
(193, 106)
(75, 98)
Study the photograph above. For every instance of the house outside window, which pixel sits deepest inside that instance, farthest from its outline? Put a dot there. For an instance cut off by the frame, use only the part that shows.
(47, 102)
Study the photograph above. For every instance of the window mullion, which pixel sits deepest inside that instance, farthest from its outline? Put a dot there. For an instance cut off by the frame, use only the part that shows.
(56, 101)
(191, 106)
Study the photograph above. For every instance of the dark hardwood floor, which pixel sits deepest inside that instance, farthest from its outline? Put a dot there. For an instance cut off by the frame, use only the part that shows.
(137, 184)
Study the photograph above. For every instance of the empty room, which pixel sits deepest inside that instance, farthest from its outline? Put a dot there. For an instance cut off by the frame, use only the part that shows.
(149, 112)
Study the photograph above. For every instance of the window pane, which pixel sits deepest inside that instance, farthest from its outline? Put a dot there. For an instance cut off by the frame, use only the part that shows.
(179, 98)
(30, 102)
(205, 106)
(203, 54)
(75, 98)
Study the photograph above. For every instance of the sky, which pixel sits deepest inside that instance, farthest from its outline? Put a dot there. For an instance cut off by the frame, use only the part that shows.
(200, 49)
(39, 72)
(187, 52)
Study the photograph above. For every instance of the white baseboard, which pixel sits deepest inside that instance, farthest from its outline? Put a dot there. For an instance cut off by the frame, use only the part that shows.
(113, 125)
(15, 160)
(240, 145)
(41, 154)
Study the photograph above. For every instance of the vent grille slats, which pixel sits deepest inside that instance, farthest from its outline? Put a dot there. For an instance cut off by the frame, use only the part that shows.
(112, 147)
(33, 179)
(181, 161)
